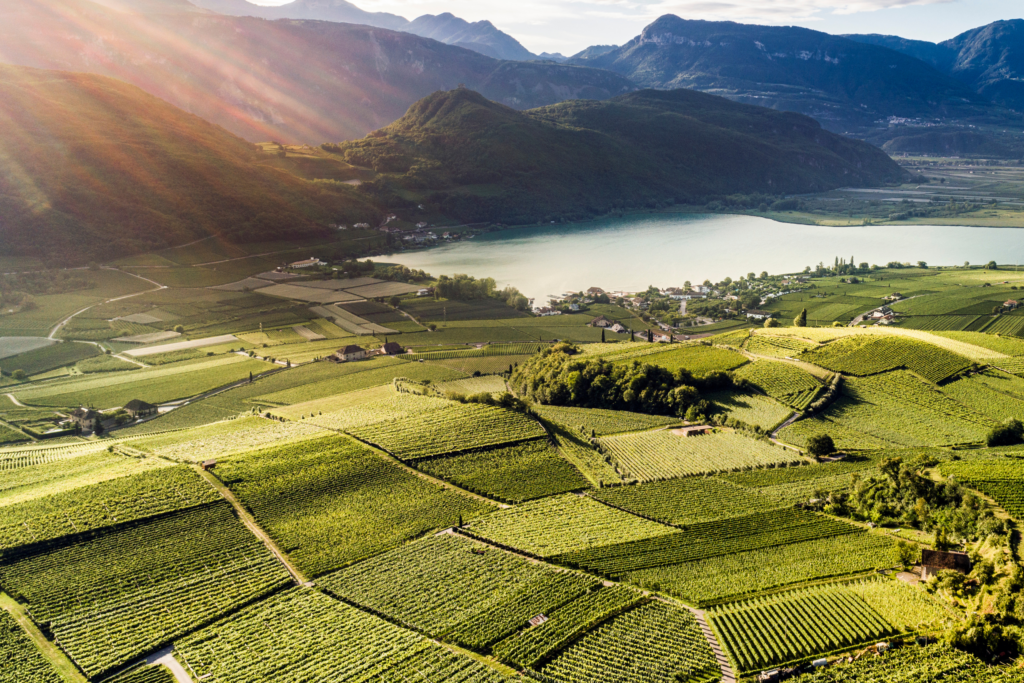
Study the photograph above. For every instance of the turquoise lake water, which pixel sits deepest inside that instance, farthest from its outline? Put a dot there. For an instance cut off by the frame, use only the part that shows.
(666, 250)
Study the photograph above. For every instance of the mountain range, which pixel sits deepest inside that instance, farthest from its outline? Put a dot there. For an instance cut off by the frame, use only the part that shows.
(480, 36)
(845, 84)
(288, 81)
(477, 160)
(989, 60)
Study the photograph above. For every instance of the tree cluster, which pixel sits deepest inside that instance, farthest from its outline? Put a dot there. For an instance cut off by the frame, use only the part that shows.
(560, 377)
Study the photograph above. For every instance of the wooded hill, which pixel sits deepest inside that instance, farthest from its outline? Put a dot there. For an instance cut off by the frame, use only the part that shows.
(478, 160)
(93, 168)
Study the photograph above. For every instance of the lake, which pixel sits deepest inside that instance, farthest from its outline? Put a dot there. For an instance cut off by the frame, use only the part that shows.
(666, 250)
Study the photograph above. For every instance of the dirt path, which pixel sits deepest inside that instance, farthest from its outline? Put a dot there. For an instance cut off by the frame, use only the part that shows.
(250, 522)
(166, 658)
(65, 321)
(53, 654)
(728, 675)
(15, 401)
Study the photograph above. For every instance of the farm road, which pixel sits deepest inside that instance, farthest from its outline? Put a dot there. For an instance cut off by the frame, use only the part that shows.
(166, 658)
(65, 321)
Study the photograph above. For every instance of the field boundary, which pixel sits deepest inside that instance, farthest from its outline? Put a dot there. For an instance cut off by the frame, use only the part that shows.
(53, 654)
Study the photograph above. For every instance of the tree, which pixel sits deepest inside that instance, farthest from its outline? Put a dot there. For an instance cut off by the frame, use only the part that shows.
(432, 327)
(922, 264)
(179, 329)
(394, 301)
(19, 375)
(820, 446)
(907, 554)
(992, 265)
(801, 320)
(1010, 434)
(770, 323)
(602, 336)
(764, 274)
(97, 428)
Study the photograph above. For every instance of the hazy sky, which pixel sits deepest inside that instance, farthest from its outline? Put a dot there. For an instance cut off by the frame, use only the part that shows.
(568, 26)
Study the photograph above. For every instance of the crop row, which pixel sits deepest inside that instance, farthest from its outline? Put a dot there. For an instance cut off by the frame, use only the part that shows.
(768, 631)
(588, 461)
(563, 524)
(459, 427)
(597, 422)
(911, 664)
(101, 505)
(106, 599)
(867, 355)
(529, 647)
(303, 635)
(751, 409)
(513, 474)
(145, 674)
(779, 347)
(664, 455)
(12, 460)
(688, 501)
(22, 661)
(220, 439)
(393, 408)
(729, 577)
(709, 539)
(654, 643)
(698, 359)
(331, 501)
(778, 379)
(1002, 479)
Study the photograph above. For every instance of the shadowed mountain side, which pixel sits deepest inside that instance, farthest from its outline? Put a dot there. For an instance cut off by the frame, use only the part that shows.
(478, 160)
(990, 59)
(842, 83)
(320, 10)
(288, 81)
(91, 167)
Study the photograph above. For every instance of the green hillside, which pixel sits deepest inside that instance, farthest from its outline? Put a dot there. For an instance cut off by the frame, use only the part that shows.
(93, 168)
(478, 160)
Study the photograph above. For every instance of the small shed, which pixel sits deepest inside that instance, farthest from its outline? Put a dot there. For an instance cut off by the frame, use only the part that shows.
(208, 465)
(538, 620)
(600, 321)
(758, 315)
(137, 408)
(934, 561)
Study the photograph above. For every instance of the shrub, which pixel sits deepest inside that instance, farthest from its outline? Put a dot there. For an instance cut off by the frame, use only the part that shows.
(821, 445)
(1010, 434)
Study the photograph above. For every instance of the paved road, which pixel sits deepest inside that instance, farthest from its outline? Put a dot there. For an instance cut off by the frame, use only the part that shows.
(166, 658)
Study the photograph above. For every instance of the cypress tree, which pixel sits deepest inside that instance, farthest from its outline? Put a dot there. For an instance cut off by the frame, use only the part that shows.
(602, 335)
(801, 320)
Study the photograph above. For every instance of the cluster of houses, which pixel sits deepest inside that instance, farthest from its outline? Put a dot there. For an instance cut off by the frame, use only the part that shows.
(353, 352)
(610, 325)
(882, 316)
(87, 418)
(311, 262)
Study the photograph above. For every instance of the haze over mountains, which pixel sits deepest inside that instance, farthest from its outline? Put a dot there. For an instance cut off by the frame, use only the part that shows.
(289, 81)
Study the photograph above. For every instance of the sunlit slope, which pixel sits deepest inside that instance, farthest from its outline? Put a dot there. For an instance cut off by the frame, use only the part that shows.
(91, 167)
(482, 161)
(291, 81)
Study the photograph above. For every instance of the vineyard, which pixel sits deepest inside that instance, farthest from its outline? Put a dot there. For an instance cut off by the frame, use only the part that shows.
(779, 347)
(731, 577)
(706, 540)
(459, 427)
(219, 440)
(1001, 479)
(455, 587)
(329, 502)
(22, 662)
(105, 599)
(906, 607)
(530, 647)
(698, 359)
(864, 355)
(796, 626)
(588, 461)
(562, 524)
(145, 674)
(799, 484)
(302, 635)
(654, 643)
(93, 507)
(751, 409)
(593, 421)
(394, 408)
(984, 394)
(910, 664)
(664, 455)
(782, 381)
(488, 384)
(688, 501)
(513, 474)
(1000, 345)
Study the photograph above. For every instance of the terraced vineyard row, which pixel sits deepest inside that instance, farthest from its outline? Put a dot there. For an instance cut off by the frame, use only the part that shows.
(664, 455)
(397, 407)
(654, 643)
(329, 502)
(911, 664)
(698, 359)
(794, 626)
(224, 438)
(27, 457)
(22, 661)
(1002, 479)
(709, 539)
(530, 647)
(106, 600)
(455, 429)
(590, 421)
(779, 380)
(867, 355)
(302, 635)
(101, 505)
(779, 347)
